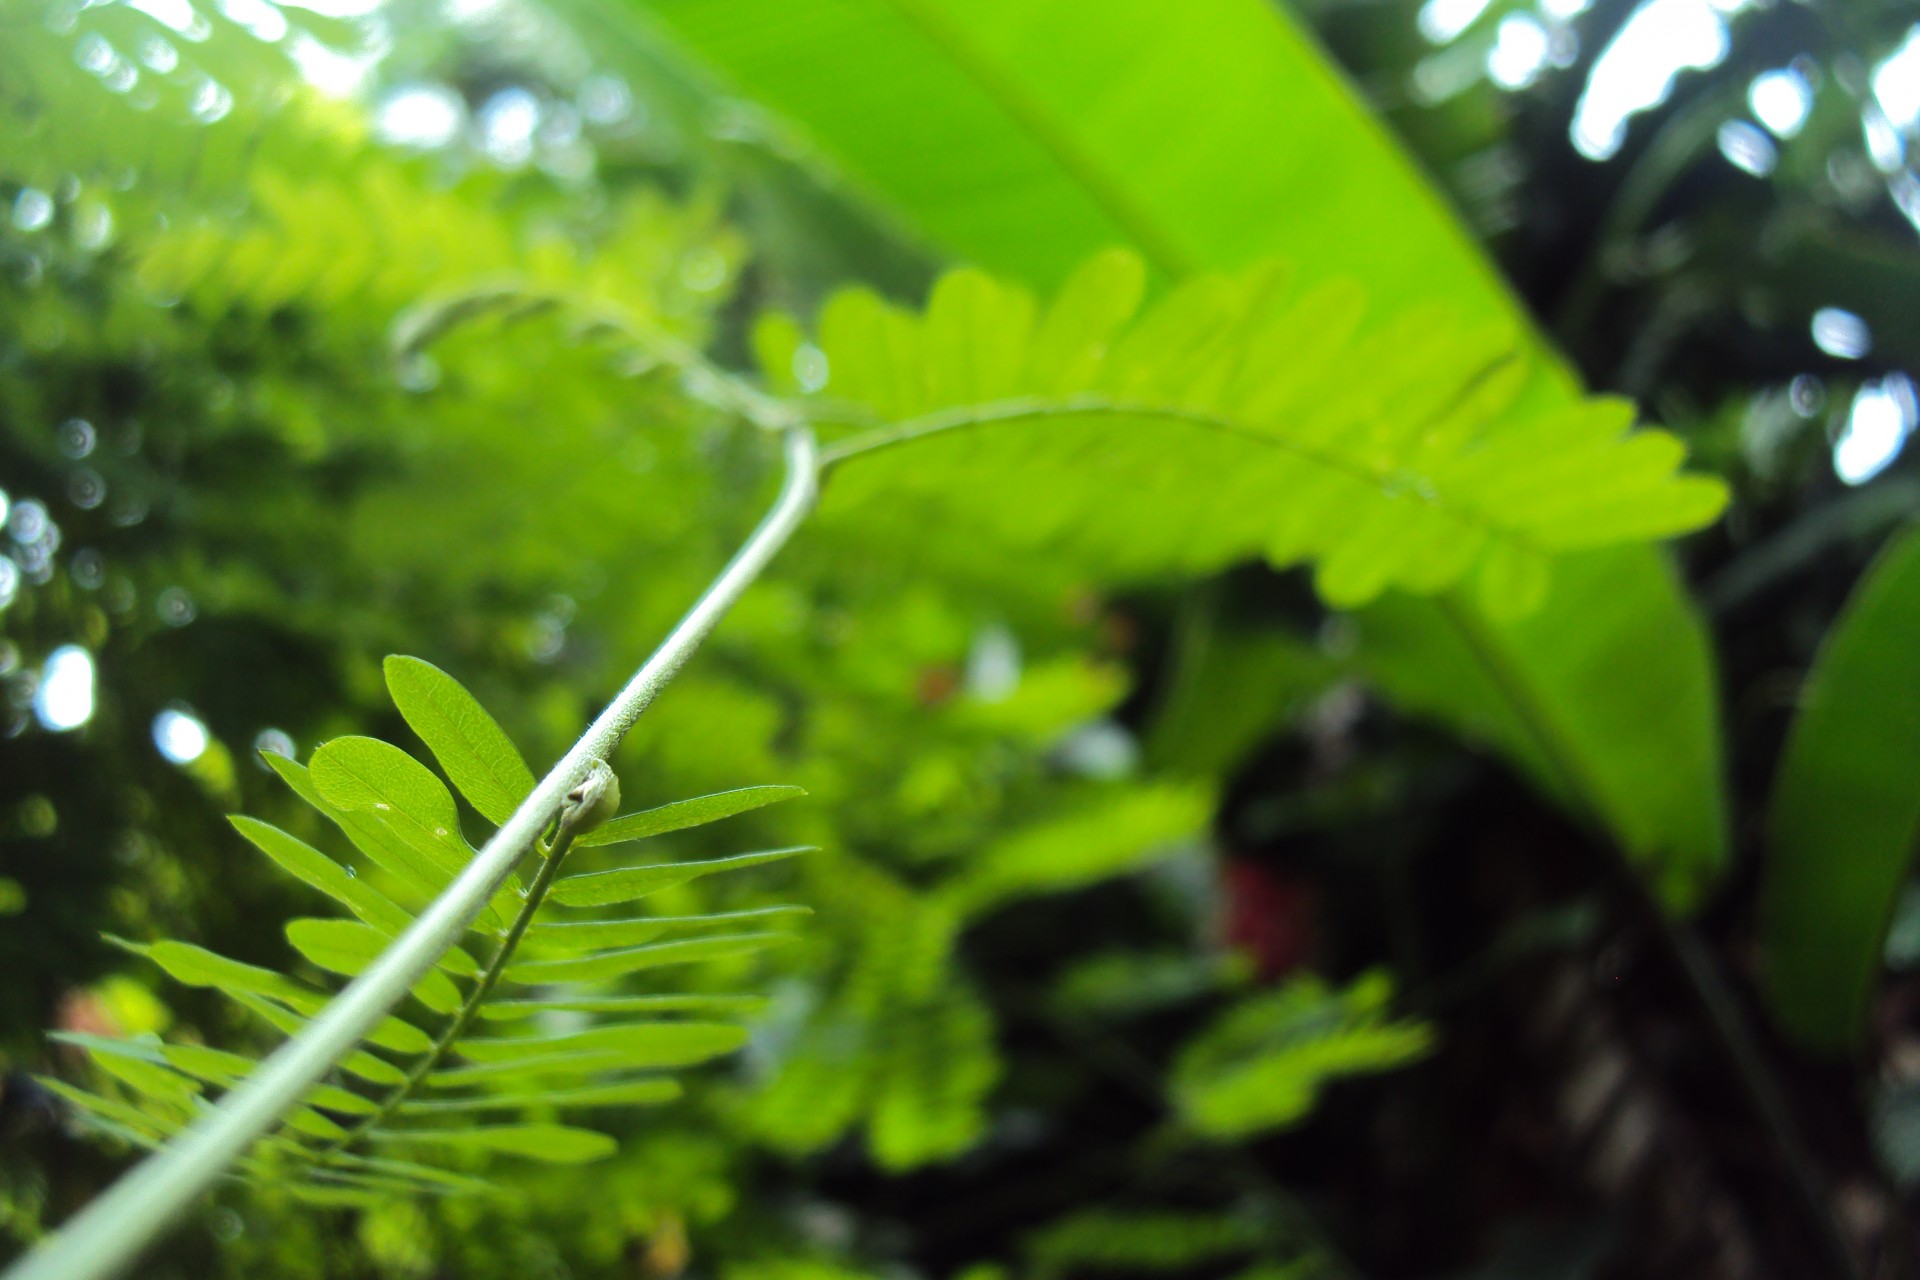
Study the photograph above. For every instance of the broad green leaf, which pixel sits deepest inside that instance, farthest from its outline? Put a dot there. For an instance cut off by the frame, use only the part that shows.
(604, 888)
(145, 1048)
(613, 964)
(469, 745)
(1051, 120)
(682, 814)
(572, 937)
(1844, 822)
(347, 947)
(640, 1045)
(624, 1093)
(513, 1010)
(215, 1066)
(1607, 703)
(552, 1143)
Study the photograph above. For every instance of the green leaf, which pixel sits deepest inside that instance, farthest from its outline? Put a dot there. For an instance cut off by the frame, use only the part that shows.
(551, 1143)
(315, 868)
(513, 1010)
(405, 847)
(1262, 1064)
(1385, 461)
(1604, 697)
(386, 847)
(366, 775)
(1052, 114)
(160, 1083)
(469, 745)
(344, 1188)
(360, 1062)
(603, 888)
(624, 1093)
(573, 937)
(154, 1067)
(1844, 822)
(682, 814)
(389, 1167)
(1106, 839)
(603, 965)
(347, 947)
(1052, 118)
(640, 1045)
(530, 1072)
(129, 1122)
(329, 877)
(198, 967)
(379, 842)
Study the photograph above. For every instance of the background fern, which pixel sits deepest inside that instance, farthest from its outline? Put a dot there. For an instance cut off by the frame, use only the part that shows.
(1385, 457)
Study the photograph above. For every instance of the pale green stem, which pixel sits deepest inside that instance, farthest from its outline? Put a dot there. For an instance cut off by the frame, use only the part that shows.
(536, 895)
(105, 1237)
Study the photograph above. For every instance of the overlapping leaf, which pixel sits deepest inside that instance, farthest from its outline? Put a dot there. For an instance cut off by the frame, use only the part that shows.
(452, 1071)
(1232, 419)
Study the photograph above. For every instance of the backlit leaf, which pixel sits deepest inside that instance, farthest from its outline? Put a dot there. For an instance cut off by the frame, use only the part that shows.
(603, 888)
(613, 964)
(551, 1143)
(682, 814)
(467, 742)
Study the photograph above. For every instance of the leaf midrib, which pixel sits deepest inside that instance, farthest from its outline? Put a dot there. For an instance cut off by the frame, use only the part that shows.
(1021, 410)
(1029, 116)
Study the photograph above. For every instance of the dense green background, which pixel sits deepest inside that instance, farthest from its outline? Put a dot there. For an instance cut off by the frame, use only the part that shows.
(1084, 838)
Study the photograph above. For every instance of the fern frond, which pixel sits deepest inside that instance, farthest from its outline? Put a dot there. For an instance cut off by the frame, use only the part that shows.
(1230, 419)
(1262, 1064)
(453, 1070)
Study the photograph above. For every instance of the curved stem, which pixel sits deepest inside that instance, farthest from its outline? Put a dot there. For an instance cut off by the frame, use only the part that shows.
(106, 1236)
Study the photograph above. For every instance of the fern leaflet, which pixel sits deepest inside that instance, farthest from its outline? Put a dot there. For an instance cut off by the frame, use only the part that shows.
(454, 1070)
(1230, 419)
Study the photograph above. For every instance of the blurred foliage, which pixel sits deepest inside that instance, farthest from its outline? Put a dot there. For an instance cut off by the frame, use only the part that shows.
(1036, 1024)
